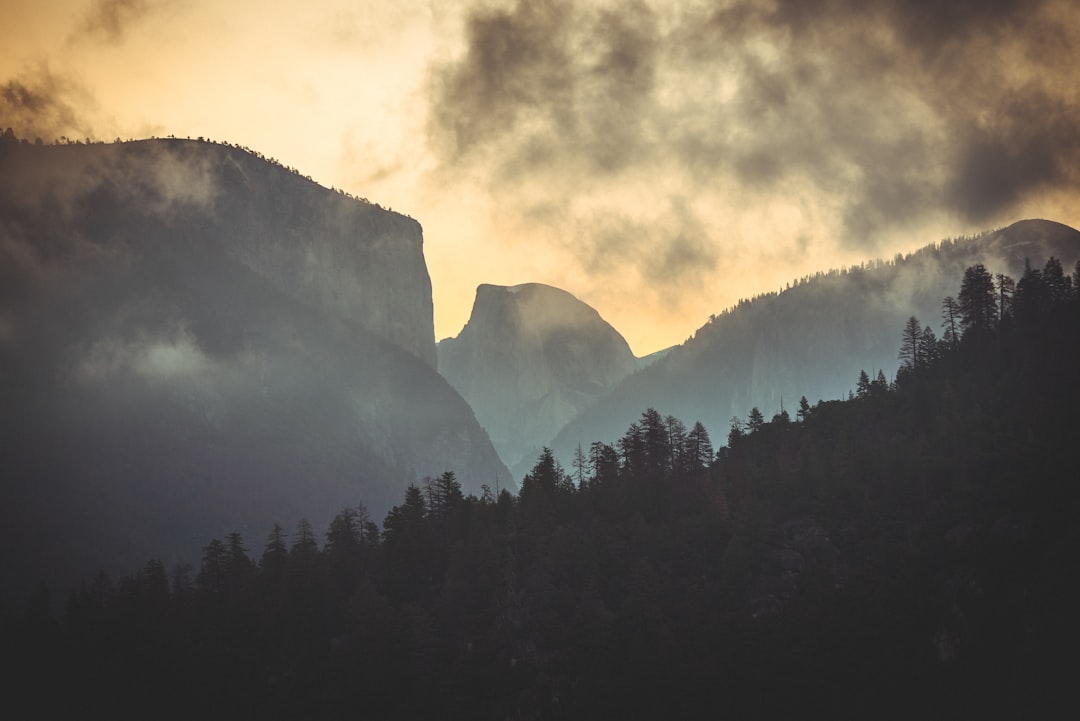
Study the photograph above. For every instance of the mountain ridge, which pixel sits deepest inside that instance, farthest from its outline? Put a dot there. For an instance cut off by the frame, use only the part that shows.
(812, 338)
(529, 358)
(158, 371)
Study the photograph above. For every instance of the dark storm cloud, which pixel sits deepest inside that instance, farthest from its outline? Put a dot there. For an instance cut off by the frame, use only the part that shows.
(888, 110)
(532, 75)
(1032, 142)
(41, 104)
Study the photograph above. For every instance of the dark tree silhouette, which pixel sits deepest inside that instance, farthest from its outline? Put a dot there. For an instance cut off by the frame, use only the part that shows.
(950, 321)
(910, 354)
(977, 302)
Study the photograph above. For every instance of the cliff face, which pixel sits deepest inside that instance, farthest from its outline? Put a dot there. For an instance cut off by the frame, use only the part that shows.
(812, 339)
(530, 358)
(339, 255)
(349, 258)
(194, 341)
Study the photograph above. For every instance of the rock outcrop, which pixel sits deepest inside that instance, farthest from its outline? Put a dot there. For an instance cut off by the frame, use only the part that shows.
(193, 341)
(530, 358)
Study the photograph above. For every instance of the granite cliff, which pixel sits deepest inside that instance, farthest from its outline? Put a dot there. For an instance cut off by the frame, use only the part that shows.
(194, 340)
(531, 358)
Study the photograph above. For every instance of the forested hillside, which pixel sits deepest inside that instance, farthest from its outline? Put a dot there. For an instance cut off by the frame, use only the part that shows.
(195, 339)
(812, 337)
(908, 552)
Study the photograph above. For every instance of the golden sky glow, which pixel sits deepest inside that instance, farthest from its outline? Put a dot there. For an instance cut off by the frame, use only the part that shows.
(658, 160)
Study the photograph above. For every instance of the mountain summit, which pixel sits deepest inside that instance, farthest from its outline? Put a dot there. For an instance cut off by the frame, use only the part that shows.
(193, 340)
(531, 358)
(814, 337)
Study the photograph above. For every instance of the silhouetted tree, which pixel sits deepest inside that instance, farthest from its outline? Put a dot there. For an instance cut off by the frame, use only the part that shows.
(304, 548)
(928, 346)
(1006, 287)
(214, 568)
(579, 464)
(676, 444)
(950, 321)
(910, 344)
(275, 553)
(1057, 282)
(804, 409)
(977, 302)
(699, 447)
(862, 386)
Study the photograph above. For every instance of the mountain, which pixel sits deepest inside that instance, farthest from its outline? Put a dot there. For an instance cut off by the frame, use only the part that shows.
(908, 553)
(195, 340)
(531, 358)
(813, 338)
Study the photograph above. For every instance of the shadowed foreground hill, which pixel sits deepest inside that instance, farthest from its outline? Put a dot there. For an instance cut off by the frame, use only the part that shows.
(193, 339)
(813, 338)
(909, 553)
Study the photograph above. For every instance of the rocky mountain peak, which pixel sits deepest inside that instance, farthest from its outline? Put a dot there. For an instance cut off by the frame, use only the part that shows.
(529, 359)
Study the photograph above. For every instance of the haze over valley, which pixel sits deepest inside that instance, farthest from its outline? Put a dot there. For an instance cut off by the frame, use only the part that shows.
(615, 360)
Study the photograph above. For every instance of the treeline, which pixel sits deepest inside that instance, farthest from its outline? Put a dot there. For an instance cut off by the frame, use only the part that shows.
(9, 138)
(909, 551)
(946, 246)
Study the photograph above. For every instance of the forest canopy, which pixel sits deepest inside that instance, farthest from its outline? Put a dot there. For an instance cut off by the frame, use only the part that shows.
(906, 551)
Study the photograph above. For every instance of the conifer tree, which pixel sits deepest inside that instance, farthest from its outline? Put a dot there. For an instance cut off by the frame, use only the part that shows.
(910, 339)
(862, 387)
(804, 409)
(275, 552)
(950, 321)
(977, 301)
(699, 447)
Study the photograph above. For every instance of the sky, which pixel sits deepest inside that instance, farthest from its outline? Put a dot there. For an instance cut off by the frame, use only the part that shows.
(659, 160)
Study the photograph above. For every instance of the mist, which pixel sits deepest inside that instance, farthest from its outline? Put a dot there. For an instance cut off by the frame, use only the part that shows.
(190, 345)
(669, 145)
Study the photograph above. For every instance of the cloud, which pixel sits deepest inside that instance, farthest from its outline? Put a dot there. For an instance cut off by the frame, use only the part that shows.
(171, 353)
(1030, 142)
(42, 104)
(874, 115)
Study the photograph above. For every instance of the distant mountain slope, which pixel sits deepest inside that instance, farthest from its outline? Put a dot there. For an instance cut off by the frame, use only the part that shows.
(345, 257)
(811, 339)
(193, 341)
(529, 359)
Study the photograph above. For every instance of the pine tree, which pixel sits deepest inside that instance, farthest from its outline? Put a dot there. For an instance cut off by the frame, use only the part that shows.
(950, 321)
(880, 384)
(448, 496)
(1006, 288)
(579, 464)
(977, 301)
(735, 431)
(1058, 284)
(676, 444)
(862, 387)
(343, 536)
(1032, 297)
(928, 346)
(305, 548)
(910, 339)
(275, 553)
(699, 449)
(213, 570)
(804, 409)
